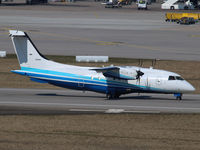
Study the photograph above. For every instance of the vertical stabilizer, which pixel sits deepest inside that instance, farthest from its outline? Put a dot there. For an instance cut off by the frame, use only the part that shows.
(27, 53)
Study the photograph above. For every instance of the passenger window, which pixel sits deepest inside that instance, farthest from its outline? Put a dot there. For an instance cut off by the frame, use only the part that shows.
(171, 78)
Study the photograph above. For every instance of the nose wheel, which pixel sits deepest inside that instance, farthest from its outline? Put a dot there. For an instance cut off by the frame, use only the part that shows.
(178, 96)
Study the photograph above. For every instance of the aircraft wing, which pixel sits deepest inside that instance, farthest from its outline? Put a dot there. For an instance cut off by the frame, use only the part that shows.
(104, 69)
(113, 72)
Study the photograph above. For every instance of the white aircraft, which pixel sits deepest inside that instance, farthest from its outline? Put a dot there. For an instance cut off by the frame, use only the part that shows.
(113, 81)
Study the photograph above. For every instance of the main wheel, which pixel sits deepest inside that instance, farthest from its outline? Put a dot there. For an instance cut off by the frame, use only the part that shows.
(116, 96)
(28, 2)
(172, 7)
(109, 96)
(179, 97)
(112, 96)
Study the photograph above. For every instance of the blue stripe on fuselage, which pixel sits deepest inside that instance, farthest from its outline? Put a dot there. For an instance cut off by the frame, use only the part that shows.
(56, 78)
(73, 77)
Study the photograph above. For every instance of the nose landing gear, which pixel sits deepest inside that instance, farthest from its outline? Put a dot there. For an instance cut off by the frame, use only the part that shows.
(178, 96)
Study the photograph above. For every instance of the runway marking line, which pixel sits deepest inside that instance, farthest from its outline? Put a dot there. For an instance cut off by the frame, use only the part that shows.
(92, 105)
(87, 110)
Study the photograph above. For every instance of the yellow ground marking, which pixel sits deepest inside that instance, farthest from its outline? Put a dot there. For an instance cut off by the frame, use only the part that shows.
(194, 36)
(96, 15)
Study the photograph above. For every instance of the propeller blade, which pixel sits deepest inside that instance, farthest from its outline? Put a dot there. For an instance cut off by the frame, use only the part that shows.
(139, 74)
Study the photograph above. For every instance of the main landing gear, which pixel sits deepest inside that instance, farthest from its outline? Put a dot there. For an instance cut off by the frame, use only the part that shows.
(112, 96)
(178, 96)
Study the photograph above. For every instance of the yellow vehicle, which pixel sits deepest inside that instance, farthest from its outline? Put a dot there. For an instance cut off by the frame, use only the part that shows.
(192, 15)
(177, 16)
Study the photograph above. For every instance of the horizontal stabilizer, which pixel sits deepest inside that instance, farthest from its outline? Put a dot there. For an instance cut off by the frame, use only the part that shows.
(16, 33)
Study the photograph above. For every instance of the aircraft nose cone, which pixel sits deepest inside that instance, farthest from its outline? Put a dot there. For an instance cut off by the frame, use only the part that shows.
(190, 88)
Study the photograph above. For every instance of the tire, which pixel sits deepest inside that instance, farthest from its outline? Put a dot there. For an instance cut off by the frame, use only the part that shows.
(28, 2)
(109, 96)
(172, 7)
(112, 96)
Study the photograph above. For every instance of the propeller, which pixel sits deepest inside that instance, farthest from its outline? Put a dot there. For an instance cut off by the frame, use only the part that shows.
(139, 74)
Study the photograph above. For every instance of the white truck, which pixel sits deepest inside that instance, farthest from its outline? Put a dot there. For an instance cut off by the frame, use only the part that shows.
(5, 1)
(142, 4)
(177, 4)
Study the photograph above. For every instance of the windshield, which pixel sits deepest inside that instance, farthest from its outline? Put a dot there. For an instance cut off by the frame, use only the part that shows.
(171, 78)
(179, 78)
(175, 78)
(142, 2)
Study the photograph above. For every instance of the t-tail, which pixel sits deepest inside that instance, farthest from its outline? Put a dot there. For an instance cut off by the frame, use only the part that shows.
(27, 53)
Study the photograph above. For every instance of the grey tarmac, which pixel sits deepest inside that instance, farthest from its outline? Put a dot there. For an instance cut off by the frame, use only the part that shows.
(43, 101)
(87, 28)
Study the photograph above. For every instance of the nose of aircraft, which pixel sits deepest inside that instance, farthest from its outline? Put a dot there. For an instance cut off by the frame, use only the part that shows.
(188, 87)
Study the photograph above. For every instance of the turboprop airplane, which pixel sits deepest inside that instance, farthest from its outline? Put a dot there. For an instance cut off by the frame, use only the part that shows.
(112, 81)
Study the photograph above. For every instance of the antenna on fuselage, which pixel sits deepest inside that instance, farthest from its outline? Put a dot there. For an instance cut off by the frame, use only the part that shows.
(140, 64)
(153, 63)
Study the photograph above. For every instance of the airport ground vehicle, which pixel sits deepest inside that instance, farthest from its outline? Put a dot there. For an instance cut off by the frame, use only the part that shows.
(27, 1)
(177, 4)
(116, 3)
(142, 4)
(186, 21)
(174, 17)
(36, 1)
(112, 4)
(5, 1)
(112, 80)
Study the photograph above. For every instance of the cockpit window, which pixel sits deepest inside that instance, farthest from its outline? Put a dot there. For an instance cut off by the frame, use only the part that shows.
(179, 78)
(171, 78)
(175, 78)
